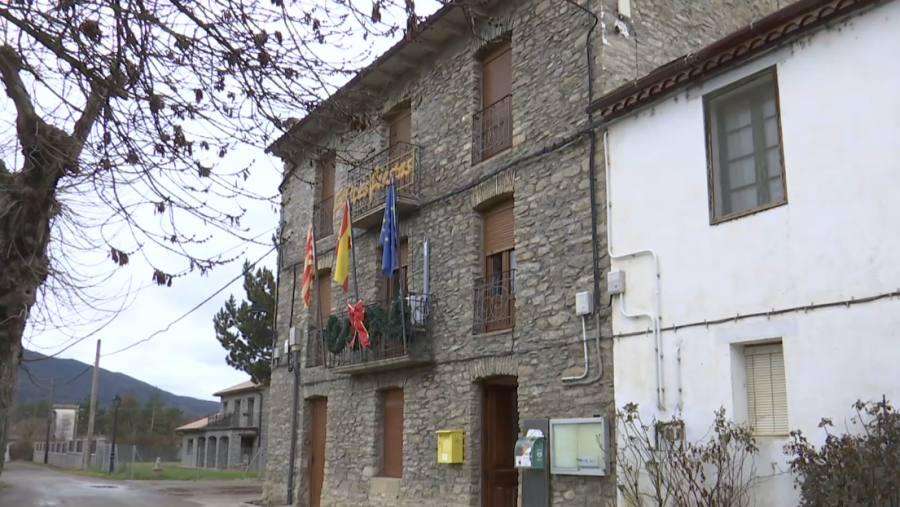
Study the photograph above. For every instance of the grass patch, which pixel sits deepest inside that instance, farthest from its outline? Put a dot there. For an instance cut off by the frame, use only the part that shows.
(3, 486)
(170, 472)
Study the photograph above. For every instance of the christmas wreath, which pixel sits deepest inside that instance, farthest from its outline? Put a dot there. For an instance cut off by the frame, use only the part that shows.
(396, 322)
(337, 334)
(376, 323)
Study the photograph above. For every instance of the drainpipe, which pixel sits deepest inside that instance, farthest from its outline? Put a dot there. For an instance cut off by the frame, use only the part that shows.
(654, 317)
(592, 172)
(294, 367)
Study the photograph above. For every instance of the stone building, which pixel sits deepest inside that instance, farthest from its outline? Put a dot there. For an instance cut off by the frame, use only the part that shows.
(480, 116)
(234, 437)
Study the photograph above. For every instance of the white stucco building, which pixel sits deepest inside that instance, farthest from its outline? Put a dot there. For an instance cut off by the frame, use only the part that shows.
(762, 173)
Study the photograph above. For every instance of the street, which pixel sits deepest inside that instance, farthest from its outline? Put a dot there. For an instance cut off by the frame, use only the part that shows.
(34, 486)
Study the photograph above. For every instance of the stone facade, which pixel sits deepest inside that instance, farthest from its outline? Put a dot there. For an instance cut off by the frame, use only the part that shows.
(229, 439)
(551, 191)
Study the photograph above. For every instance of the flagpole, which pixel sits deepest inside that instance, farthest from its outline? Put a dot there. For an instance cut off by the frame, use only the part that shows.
(318, 289)
(352, 249)
(397, 245)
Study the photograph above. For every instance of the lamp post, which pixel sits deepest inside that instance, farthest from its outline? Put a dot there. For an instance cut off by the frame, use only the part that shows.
(112, 453)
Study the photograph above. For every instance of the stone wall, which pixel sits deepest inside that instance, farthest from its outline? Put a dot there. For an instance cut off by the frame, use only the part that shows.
(553, 247)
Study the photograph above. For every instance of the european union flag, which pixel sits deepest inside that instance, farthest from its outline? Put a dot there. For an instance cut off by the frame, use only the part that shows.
(389, 238)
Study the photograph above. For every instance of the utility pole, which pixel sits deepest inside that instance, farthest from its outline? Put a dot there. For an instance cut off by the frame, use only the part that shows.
(49, 422)
(90, 431)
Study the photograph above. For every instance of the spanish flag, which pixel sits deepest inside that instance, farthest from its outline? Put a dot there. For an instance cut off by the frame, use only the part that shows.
(342, 250)
(309, 266)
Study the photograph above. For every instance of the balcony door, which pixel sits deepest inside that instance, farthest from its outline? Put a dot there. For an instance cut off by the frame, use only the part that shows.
(400, 148)
(499, 304)
(496, 103)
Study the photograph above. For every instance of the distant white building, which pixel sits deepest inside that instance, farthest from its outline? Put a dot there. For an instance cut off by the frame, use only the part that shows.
(762, 173)
(66, 422)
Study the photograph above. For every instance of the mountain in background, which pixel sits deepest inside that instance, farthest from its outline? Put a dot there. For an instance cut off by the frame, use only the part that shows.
(69, 391)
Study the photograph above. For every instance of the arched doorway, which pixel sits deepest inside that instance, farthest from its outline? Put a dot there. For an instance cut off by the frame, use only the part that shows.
(211, 450)
(499, 431)
(200, 460)
(222, 460)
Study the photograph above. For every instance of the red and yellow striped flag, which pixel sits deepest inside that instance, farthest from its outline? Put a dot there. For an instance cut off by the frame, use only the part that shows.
(309, 267)
(342, 250)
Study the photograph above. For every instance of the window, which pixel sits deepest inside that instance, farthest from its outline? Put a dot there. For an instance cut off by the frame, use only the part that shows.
(236, 418)
(400, 134)
(766, 391)
(493, 125)
(495, 293)
(392, 286)
(324, 210)
(324, 295)
(190, 447)
(250, 408)
(392, 434)
(224, 407)
(744, 136)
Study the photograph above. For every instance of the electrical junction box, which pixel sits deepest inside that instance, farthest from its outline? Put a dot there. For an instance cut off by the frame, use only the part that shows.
(583, 303)
(530, 451)
(450, 446)
(615, 282)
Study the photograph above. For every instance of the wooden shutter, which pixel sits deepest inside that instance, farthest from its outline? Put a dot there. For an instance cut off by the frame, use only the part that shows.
(324, 297)
(499, 229)
(767, 407)
(392, 456)
(496, 74)
(401, 128)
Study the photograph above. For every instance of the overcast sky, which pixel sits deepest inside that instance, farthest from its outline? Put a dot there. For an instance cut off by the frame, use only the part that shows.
(187, 359)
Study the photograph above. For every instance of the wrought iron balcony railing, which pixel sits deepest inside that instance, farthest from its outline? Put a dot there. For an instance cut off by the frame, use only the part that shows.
(387, 340)
(492, 130)
(232, 420)
(323, 218)
(368, 182)
(315, 348)
(495, 302)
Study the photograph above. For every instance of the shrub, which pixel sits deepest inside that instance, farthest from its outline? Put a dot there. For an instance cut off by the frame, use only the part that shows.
(23, 450)
(657, 467)
(859, 468)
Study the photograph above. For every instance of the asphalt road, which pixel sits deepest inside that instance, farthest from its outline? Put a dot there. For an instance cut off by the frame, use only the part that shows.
(33, 486)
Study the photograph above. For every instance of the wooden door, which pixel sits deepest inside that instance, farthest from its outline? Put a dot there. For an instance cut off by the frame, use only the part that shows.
(401, 128)
(392, 434)
(318, 416)
(500, 429)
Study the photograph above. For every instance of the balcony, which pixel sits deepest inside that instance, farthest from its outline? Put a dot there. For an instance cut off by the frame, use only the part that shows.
(495, 302)
(323, 218)
(368, 182)
(492, 130)
(232, 420)
(389, 348)
(315, 348)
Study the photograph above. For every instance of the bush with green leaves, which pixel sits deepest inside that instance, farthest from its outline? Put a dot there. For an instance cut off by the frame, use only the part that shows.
(859, 468)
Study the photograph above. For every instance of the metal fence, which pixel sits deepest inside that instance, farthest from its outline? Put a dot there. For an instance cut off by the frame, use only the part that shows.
(492, 130)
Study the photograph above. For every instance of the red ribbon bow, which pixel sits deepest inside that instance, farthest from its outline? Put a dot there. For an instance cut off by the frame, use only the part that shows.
(357, 314)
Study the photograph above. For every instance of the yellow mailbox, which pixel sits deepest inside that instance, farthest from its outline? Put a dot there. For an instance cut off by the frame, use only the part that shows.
(450, 446)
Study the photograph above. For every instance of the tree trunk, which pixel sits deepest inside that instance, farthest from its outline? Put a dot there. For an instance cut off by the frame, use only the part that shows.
(27, 204)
